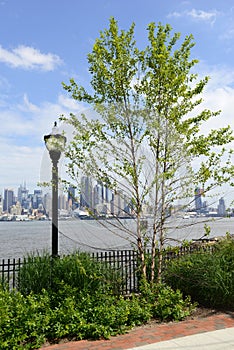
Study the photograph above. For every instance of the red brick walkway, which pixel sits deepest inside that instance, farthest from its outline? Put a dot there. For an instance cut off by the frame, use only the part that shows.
(153, 333)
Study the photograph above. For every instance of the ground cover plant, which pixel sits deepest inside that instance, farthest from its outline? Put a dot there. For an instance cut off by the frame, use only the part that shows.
(79, 304)
(208, 277)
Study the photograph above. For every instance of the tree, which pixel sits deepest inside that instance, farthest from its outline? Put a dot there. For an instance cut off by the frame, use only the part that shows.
(146, 133)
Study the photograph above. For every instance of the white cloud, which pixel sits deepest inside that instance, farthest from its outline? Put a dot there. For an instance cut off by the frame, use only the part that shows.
(175, 14)
(218, 95)
(221, 98)
(4, 84)
(23, 127)
(28, 106)
(228, 34)
(19, 163)
(29, 58)
(199, 15)
(203, 15)
(70, 103)
(27, 118)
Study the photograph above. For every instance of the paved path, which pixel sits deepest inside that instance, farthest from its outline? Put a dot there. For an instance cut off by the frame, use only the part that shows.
(199, 333)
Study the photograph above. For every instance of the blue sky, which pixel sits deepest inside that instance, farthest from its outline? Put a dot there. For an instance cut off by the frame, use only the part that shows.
(44, 43)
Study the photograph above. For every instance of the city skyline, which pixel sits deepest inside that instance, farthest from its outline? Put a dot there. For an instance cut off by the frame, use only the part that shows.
(94, 198)
(212, 201)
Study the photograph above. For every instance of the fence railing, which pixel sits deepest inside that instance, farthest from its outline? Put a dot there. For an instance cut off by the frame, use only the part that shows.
(9, 269)
(125, 262)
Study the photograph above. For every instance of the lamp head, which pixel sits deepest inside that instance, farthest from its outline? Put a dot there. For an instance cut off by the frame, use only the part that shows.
(55, 143)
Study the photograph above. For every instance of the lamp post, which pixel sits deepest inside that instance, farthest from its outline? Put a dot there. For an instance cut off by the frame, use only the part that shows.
(55, 143)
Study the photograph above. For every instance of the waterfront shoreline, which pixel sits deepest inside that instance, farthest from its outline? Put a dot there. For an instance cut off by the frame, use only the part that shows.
(20, 238)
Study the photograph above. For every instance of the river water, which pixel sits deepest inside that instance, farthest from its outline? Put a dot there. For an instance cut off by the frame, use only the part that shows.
(17, 239)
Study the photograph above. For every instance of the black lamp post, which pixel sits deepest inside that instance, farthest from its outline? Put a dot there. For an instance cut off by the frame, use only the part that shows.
(55, 143)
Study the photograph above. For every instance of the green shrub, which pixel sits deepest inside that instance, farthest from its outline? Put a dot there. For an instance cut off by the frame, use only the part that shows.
(77, 270)
(170, 305)
(24, 321)
(207, 277)
(140, 311)
(27, 321)
(166, 304)
(73, 297)
(35, 274)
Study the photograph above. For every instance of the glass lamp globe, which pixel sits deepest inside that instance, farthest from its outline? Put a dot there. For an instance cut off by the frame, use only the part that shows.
(55, 142)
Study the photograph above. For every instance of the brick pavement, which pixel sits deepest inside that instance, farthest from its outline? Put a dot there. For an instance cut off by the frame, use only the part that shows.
(152, 333)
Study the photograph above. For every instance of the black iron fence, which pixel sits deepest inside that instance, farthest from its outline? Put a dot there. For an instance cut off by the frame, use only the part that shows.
(125, 262)
(9, 269)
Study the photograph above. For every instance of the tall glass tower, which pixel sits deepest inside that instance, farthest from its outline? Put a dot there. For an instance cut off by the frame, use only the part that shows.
(8, 199)
(198, 200)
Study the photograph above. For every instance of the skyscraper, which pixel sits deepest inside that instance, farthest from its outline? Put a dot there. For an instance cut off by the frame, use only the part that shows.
(47, 202)
(23, 195)
(86, 196)
(97, 194)
(62, 201)
(71, 194)
(37, 198)
(1, 204)
(118, 204)
(8, 199)
(198, 200)
(221, 207)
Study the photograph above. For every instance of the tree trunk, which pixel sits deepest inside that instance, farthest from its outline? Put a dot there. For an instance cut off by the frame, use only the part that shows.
(142, 257)
(160, 257)
(153, 254)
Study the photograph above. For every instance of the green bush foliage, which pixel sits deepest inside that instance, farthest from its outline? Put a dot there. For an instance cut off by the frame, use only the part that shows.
(170, 305)
(24, 321)
(27, 321)
(167, 304)
(77, 303)
(75, 270)
(208, 277)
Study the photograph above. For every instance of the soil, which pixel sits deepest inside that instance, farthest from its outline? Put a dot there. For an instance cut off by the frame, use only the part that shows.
(199, 312)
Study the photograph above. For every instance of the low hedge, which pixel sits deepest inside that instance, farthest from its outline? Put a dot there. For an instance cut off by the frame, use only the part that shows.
(208, 277)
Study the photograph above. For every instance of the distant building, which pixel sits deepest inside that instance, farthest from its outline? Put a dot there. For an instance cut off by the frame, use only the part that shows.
(205, 206)
(71, 194)
(37, 199)
(23, 195)
(97, 194)
(62, 201)
(47, 202)
(119, 204)
(86, 196)
(16, 209)
(8, 199)
(221, 207)
(198, 199)
(1, 204)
